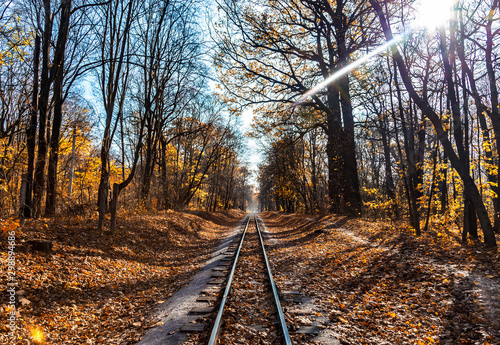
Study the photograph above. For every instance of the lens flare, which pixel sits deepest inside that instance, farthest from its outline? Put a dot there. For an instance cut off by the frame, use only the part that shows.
(347, 69)
(37, 335)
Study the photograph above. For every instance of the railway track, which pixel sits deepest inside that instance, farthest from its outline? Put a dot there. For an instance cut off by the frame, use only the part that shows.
(250, 310)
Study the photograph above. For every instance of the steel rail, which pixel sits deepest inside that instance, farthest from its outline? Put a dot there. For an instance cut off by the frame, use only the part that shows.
(284, 328)
(217, 324)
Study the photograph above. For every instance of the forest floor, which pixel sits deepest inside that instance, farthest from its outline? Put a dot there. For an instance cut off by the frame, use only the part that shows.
(365, 282)
(95, 288)
(376, 283)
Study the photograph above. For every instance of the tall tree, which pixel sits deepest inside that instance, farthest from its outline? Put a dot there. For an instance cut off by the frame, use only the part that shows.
(283, 48)
(170, 73)
(43, 109)
(58, 78)
(114, 37)
(457, 163)
(31, 131)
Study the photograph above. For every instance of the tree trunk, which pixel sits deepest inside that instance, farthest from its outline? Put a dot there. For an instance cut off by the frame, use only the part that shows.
(314, 177)
(458, 132)
(431, 189)
(58, 71)
(481, 110)
(31, 132)
(114, 206)
(411, 174)
(443, 185)
(43, 102)
(110, 81)
(419, 163)
(22, 197)
(350, 179)
(333, 134)
(72, 167)
(470, 219)
(389, 181)
(494, 113)
(148, 168)
(117, 188)
(102, 192)
(457, 164)
(164, 182)
(401, 165)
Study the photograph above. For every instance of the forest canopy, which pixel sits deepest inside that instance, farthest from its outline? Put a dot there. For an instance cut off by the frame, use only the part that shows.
(107, 105)
(412, 131)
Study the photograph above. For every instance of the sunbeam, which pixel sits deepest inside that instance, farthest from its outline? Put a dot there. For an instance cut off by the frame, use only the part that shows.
(347, 69)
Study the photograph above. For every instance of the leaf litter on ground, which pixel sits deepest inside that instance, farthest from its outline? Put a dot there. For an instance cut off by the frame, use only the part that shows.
(374, 282)
(94, 288)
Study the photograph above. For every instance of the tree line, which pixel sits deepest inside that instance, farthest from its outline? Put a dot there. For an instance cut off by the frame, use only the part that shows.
(107, 103)
(413, 132)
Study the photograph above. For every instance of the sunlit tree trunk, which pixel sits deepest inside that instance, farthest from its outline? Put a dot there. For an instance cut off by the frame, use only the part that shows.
(72, 167)
(410, 175)
(470, 219)
(334, 139)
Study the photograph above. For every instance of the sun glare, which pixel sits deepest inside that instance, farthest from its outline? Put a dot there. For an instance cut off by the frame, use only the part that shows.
(433, 13)
(37, 335)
